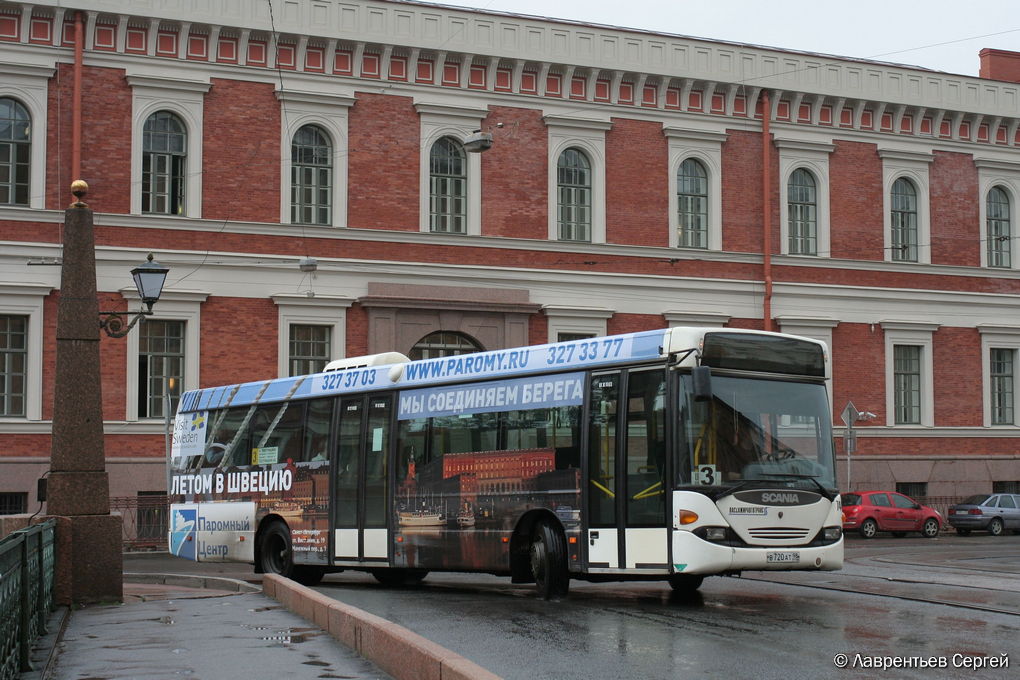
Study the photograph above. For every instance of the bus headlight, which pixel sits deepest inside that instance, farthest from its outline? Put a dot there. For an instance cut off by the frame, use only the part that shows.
(832, 533)
(715, 533)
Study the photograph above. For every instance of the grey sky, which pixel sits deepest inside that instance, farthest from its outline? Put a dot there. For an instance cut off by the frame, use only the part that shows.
(945, 35)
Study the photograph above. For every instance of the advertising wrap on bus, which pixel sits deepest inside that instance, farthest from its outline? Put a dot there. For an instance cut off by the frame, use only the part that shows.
(212, 532)
(670, 454)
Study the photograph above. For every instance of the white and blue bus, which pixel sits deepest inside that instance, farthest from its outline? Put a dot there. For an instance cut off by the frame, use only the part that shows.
(661, 455)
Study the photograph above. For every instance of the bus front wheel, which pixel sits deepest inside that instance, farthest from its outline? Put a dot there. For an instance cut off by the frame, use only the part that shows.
(549, 562)
(276, 556)
(685, 583)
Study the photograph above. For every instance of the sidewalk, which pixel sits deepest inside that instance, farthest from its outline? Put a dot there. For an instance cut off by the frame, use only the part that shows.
(193, 627)
(205, 621)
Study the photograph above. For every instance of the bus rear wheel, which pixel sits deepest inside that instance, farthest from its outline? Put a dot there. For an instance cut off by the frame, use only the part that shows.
(549, 562)
(399, 577)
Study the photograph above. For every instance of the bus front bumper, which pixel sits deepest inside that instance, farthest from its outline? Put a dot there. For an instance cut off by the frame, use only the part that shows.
(693, 555)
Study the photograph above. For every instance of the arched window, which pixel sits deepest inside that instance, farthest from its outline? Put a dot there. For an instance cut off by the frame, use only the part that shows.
(903, 219)
(444, 344)
(448, 187)
(999, 231)
(573, 183)
(164, 155)
(15, 147)
(802, 211)
(692, 204)
(311, 177)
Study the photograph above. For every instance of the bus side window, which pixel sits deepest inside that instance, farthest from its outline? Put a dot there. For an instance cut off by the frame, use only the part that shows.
(317, 427)
(412, 437)
(222, 441)
(278, 434)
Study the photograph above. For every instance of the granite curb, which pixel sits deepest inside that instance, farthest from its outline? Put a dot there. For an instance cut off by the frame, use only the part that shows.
(192, 581)
(398, 651)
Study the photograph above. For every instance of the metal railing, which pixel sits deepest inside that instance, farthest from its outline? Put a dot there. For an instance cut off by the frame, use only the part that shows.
(940, 503)
(27, 562)
(145, 520)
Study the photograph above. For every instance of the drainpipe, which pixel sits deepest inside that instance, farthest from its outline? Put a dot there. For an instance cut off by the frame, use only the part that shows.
(79, 47)
(766, 176)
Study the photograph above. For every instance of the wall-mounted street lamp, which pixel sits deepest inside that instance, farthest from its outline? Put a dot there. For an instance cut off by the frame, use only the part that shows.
(149, 278)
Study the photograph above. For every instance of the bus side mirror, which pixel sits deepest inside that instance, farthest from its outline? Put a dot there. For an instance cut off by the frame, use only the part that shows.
(701, 377)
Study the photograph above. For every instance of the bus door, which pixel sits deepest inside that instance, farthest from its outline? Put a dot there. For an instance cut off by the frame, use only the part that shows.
(627, 453)
(359, 508)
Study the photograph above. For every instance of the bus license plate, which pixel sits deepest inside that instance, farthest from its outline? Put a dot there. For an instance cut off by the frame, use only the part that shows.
(782, 557)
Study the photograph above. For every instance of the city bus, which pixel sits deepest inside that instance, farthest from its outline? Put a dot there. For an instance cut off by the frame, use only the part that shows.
(666, 455)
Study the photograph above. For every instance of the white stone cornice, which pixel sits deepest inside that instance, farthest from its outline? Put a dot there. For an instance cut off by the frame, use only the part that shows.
(984, 328)
(29, 289)
(191, 296)
(583, 123)
(803, 145)
(918, 326)
(466, 112)
(995, 164)
(294, 300)
(293, 96)
(695, 318)
(579, 312)
(904, 156)
(806, 321)
(29, 70)
(687, 134)
(168, 83)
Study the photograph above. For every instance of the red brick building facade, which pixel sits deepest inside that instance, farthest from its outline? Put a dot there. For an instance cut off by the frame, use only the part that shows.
(635, 180)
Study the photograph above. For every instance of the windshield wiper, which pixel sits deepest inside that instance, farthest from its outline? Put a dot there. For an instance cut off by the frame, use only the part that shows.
(794, 475)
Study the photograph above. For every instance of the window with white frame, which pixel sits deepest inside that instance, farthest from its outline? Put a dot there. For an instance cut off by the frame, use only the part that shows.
(21, 366)
(692, 204)
(909, 373)
(311, 332)
(695, 161)
(903, 221)
(907, 384)
(804, 214)
(998, 228)
(906, 212)
(802, 211)
(314, 175)
(166, 164)
(448, 187)
(15, 152)
(161, 355)
(444, 344)
(311, 176)
(1000, 350)
(577, 178)
(999, 184)
(451, 195)
(310, 348)
(573, 196)
(567, 322)
(24, 99)
(1002, 385)
(165, 345)
(13, 364)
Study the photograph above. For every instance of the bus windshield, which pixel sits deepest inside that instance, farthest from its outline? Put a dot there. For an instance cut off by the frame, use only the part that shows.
(755, 429)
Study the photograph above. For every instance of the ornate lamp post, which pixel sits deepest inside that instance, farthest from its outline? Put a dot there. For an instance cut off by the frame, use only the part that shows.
(90, 563)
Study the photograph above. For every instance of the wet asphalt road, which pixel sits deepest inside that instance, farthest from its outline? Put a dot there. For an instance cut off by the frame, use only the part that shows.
(908, 597)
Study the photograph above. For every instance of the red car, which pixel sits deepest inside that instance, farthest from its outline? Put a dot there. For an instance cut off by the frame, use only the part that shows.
(869, 512)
